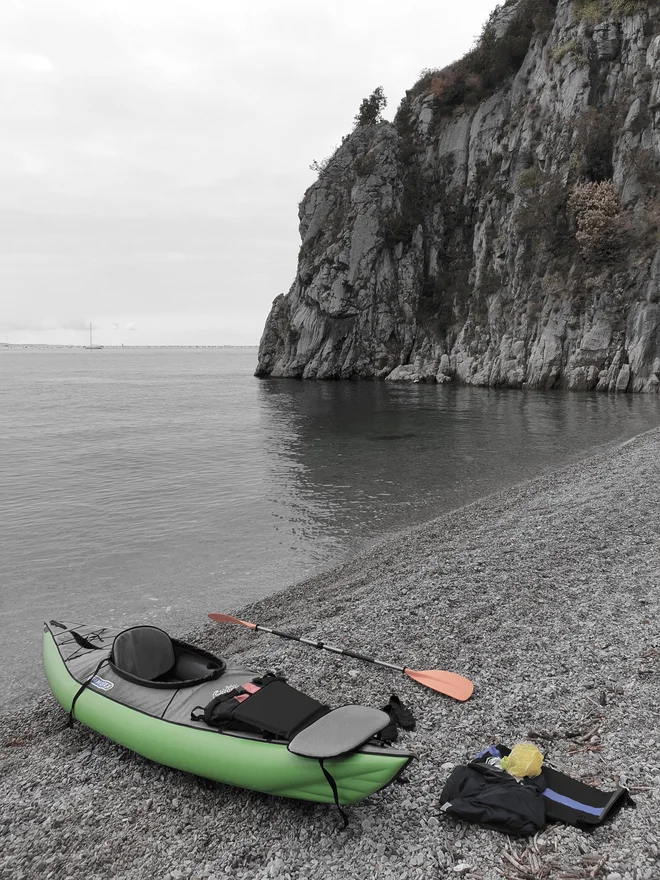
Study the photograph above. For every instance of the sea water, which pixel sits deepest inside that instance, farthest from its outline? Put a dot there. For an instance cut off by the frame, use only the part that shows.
(156, 485)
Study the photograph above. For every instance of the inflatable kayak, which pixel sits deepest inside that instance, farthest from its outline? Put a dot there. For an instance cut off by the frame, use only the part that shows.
(152, 694)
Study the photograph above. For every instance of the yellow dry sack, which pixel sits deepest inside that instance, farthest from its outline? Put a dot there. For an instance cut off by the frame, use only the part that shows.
(525, 760)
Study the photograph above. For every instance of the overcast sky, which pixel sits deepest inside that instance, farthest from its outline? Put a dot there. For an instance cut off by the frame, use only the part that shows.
(153, 152)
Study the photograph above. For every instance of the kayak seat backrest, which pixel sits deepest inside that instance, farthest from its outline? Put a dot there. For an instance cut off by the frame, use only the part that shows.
(143, 651)
(147, 656)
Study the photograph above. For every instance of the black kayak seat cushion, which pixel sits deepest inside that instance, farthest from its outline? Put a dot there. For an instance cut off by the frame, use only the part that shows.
(338, 732)
(279, 709)
(146, 652)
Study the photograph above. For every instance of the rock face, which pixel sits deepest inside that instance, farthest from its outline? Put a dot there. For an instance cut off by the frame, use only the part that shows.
(504, 230)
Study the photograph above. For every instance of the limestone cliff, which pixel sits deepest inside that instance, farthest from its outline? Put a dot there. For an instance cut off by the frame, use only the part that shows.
(504, 230)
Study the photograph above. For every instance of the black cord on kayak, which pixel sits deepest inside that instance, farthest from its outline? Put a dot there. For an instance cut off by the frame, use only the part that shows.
(335, 793)
(83, 642)
(82, 688)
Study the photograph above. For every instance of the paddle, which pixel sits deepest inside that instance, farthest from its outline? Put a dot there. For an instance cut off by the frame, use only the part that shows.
(437, 679)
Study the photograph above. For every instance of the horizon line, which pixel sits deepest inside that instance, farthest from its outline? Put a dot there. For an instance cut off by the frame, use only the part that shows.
(120, 346)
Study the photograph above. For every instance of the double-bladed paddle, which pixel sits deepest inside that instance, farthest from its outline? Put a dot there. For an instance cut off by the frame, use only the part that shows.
(448, 683)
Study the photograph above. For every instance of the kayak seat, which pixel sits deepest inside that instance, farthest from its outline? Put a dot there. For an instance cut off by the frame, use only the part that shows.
(143, 651)
(147, 655)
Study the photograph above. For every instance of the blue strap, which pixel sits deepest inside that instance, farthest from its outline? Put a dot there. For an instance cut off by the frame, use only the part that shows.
(491, 750)
(569, 802)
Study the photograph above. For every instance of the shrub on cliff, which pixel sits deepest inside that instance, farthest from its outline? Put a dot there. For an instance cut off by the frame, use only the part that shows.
(320, 167)
(594, 142)
(494, 58)
(371, 108)
(595, 11)
(600, 230)
(629, 7)
(592, 11)
(570, 47)
(541, 210)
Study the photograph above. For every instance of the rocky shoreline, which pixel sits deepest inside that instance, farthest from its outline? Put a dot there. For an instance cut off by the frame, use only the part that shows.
(546, 595)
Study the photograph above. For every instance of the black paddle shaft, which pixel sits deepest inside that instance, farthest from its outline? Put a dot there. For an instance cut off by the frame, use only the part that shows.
(332, 648)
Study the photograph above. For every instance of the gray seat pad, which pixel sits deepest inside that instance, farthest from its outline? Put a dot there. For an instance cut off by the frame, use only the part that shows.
(338, 732)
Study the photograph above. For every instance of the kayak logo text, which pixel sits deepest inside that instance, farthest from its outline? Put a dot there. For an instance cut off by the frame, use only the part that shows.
(101, 683)
(224, 690)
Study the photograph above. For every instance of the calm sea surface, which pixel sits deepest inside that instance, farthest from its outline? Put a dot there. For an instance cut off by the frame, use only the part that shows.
(160, 484)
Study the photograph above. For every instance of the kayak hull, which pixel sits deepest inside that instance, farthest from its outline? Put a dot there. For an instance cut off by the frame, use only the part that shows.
(235, 759)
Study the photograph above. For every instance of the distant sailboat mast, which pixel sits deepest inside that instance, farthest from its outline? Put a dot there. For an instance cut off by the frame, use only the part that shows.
(91, 346)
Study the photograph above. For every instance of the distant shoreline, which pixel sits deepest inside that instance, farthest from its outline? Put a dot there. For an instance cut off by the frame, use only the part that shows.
(119, 347)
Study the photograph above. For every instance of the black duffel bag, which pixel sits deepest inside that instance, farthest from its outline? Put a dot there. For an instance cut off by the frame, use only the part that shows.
(491, 797)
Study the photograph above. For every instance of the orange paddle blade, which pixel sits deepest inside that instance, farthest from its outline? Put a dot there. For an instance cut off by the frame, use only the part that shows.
(446, 682)
(227, 618)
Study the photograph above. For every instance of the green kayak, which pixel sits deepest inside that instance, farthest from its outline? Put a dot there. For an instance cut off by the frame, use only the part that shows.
(147, 692)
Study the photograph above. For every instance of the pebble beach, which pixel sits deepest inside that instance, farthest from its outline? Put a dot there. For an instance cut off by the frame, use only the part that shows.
(546, 595)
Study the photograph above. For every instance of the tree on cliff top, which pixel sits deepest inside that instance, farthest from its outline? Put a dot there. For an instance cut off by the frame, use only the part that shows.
(371, 108)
